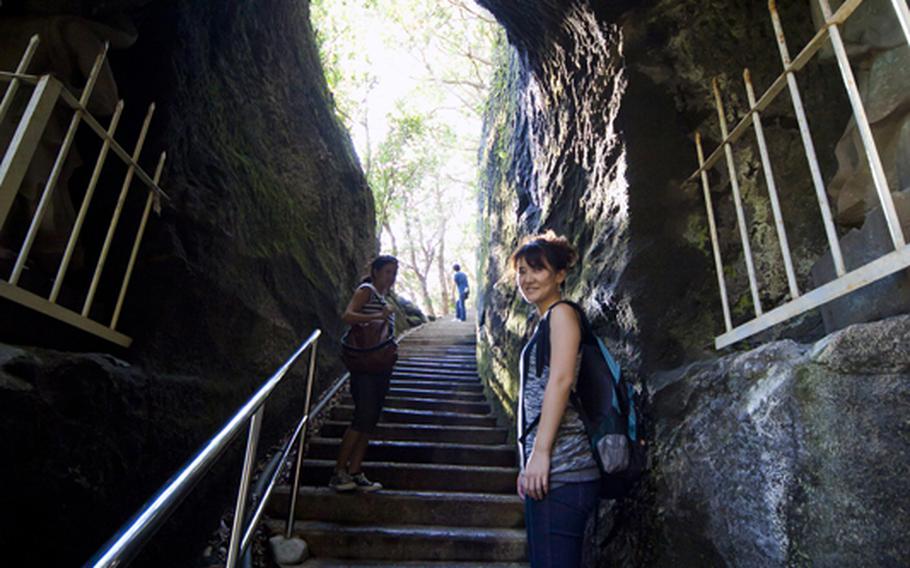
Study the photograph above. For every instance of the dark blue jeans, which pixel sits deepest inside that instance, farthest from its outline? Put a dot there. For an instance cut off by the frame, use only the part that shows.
(556, 524)
(460, 311)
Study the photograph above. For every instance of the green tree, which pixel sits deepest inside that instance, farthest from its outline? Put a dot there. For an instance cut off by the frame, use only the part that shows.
(425, 140)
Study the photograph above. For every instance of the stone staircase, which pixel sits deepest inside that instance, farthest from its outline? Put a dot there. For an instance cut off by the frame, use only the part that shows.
(445, 461)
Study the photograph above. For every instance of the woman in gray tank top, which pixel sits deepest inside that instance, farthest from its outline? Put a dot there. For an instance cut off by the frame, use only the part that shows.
(559, 480)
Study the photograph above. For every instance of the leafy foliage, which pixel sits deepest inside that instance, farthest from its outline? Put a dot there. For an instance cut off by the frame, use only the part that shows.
(410, 79)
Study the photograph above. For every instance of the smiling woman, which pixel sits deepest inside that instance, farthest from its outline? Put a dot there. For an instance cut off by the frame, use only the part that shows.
(559, 479)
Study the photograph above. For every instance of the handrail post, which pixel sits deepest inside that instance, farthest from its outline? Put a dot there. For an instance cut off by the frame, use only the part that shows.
(808, 145)
(879, 179)
(18, 156)
(149, 201)
(300, 444)
(712, 230)
(118, 209)
(246, 475)
(772, 186)
(59, 163)
(83, 209)
(737, 199)
(903, 16)
(7, 101)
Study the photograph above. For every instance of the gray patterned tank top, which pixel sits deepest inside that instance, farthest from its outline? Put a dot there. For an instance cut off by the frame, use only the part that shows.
(571, 459)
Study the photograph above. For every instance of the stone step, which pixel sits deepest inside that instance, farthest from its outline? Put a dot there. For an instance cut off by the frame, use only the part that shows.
(422, 452)
(407, 416)
(404, 368)
(439, 363)
(455, 339)
(410, 542)
(401, 507)
(425, 353)
(415, 403)
(347, 563)
(437, 394)
(439, 348)
(459, 386)
(426, 432)
(433, 376)
(441, 351)
(421, 477)
(423, 356)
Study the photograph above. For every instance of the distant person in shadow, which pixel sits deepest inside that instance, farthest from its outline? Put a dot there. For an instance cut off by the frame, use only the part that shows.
(368, 390)
(559, 480)
(461, 292)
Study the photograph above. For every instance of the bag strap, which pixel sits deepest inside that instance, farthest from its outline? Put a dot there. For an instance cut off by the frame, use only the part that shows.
(371, 287)
(587, 333)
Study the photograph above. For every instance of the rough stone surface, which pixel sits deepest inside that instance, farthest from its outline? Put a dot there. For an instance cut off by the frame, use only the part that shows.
(261, 173)
(90, 437)
(268, 228)
(879, 57)
(786, 455)
(883, 298)
(590, 134)
(288, 550)
(760, 458)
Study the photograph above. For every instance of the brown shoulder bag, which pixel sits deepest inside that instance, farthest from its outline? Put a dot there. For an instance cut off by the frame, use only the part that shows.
(369, 348)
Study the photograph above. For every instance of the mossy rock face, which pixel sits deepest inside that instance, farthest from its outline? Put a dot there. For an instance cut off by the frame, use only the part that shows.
(590, 133)
(268, 228)
(270, 221)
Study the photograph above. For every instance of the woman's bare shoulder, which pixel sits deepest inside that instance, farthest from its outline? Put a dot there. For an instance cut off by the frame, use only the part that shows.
(563, 315)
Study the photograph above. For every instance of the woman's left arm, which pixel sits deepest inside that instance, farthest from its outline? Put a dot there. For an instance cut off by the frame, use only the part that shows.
(565, 337)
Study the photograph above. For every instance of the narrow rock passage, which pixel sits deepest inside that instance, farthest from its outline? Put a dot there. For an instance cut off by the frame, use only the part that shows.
(444, 459)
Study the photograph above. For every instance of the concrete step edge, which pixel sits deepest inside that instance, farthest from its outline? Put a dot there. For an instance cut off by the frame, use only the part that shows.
(417, 494)
(422, 444)
(466, 429)
(421, 532)
(367, 465)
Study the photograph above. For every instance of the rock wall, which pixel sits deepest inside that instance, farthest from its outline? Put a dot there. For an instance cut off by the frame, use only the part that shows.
(591, 134)
(268, 227)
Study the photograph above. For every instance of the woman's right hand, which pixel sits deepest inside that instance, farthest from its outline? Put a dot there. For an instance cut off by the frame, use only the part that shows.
(387, 310)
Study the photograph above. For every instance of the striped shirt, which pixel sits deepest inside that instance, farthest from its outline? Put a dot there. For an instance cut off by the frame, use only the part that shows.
(376, 303)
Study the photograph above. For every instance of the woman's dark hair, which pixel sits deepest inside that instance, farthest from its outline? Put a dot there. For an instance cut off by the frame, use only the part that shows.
(377, 265)
(547, 249)
(456, 267)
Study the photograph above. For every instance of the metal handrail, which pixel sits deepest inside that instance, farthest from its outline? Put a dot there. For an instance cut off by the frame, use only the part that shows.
(129, 540)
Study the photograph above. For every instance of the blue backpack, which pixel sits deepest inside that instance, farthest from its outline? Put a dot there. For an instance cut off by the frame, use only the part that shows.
(608, 406)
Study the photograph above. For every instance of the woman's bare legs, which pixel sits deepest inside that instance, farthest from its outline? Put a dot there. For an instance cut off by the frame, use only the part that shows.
(359, 451)
(352, 451)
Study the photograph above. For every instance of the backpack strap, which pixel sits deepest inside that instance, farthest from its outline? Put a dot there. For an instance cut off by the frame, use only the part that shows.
(542, 338)
(543, 354)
